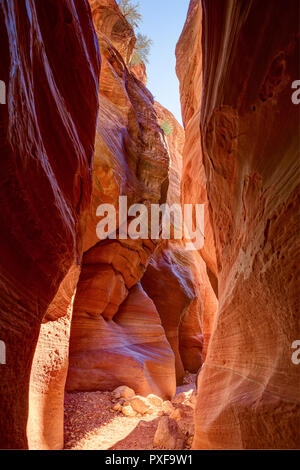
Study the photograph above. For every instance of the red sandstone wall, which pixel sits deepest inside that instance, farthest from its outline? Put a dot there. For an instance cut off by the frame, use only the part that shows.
(50, 64)
(249, 387)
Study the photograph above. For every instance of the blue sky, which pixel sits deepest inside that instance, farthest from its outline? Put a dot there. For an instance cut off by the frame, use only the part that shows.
(163, 21)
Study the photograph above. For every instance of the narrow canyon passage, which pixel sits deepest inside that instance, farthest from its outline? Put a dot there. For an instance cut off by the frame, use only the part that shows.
(149, 341)
(137, 314)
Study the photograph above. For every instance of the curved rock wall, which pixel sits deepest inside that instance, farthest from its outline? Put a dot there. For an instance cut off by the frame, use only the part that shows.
(169, 282)
(193, 182)
(47, 141)
(189, 71)
(146, 310)
(108, 19)
(249, 387)
(176, 279)
(132, 158)
(115, 324)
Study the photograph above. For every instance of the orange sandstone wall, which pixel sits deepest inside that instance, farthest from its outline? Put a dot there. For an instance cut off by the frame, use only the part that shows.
(176, 279)
(133, 158)
(249, 387)
(116, 334)
(193, 182)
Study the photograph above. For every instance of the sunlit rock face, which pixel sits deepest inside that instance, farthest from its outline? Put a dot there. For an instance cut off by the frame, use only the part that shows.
(193, 183)
(189, 71)
(108, 19)
(249, 387)
(129, 349)
(140, 72)
(176, 279)
(50, 64)
(117, 335)
(175, 138)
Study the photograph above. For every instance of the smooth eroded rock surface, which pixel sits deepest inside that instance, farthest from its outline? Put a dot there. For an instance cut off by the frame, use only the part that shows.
(116, 336)
(50, 65)
(248, 388)
(131, 349)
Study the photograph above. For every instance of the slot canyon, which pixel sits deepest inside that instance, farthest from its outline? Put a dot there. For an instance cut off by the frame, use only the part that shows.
(142, 343)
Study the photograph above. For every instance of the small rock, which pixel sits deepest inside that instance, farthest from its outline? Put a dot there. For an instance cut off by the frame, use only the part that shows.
(176, 414)
(128, 411)
(180, 398)
(154, 400)
(192, 400)
(140, 404)
(167, 407)
(189, 378)
(168, 434)
(117, 407)
(189, 393)
(123, 392)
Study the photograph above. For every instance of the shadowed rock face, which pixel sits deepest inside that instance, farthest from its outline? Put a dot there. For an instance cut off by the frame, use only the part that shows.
(249, 387)
(50, 65)
(176, 279)
(169, 282)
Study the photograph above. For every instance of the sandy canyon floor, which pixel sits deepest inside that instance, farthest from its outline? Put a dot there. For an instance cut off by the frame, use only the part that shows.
(92, 424)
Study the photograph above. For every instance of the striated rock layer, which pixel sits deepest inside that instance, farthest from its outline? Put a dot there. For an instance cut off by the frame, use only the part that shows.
(116, 334)
(129, 349)
(170, 279)
(249, 387)
(108, 19)
(193, 186)
(134, 158)
(50, 65)
(193, 183)
(169, 283)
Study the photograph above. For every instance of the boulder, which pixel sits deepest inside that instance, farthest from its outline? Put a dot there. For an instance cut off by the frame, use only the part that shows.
(167, 407)
(117, 407)
(168, 435)
(128, 411)
(180, 398)
(155, 401)
(176, 414)
(123, 392)
(140, 404)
